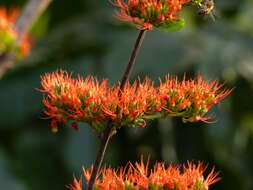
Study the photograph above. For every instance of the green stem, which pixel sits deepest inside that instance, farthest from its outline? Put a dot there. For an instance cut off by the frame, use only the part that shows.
(154, 116)
(159, 115)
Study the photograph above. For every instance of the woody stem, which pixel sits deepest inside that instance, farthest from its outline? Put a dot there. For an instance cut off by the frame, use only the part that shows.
(107, 134)
(131, 62)
(110, 131)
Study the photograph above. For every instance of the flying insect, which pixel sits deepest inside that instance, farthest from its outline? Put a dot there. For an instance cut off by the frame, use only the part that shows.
(207, 8)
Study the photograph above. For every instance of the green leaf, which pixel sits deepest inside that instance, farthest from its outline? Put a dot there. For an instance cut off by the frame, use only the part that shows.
(173, 26)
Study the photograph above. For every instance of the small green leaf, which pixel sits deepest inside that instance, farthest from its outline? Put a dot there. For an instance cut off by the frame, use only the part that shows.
(172, 26)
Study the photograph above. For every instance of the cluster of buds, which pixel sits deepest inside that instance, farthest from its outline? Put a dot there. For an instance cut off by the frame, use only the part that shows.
(149, 14)
(162, 177)
(8, 34)
(101, 105)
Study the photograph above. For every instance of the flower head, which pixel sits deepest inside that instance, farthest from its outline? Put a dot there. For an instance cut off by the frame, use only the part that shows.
(8, 34)
(161, 176)
(190, 99)
(98, 104)
(129, 108)
(74, 99)
(149, 14)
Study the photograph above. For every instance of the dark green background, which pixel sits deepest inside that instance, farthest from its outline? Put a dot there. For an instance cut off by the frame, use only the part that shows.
(84, 37)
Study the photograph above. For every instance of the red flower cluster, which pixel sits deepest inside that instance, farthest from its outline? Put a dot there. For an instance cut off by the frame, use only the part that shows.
(139, 177)
(148, 14)
(133, 103)
(8, 34)
(98, 104)
(70, 99)
(191, 99)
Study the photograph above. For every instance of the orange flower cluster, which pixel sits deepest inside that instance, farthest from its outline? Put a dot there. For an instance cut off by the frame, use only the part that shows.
(8, 34)
(98, 104)
(191, 99)
(79, 100)
(149, 14)
(139, 177)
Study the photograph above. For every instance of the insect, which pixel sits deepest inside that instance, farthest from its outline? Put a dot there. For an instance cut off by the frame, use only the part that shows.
(207, 8)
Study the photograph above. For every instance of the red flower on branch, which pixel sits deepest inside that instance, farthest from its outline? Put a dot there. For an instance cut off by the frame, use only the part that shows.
(148, 14)
(134, 101)
(139, 176)
(74, 99)
(190, 99)
(98, 104)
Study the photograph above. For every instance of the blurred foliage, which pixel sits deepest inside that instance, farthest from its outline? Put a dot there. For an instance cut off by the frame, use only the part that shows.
(85, 38)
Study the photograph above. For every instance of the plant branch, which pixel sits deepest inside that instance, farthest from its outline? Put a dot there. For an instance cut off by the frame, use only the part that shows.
(110, 130)
(159, 115)
(107, 134)
(132, 59)
(151, 117)
(31, 12)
